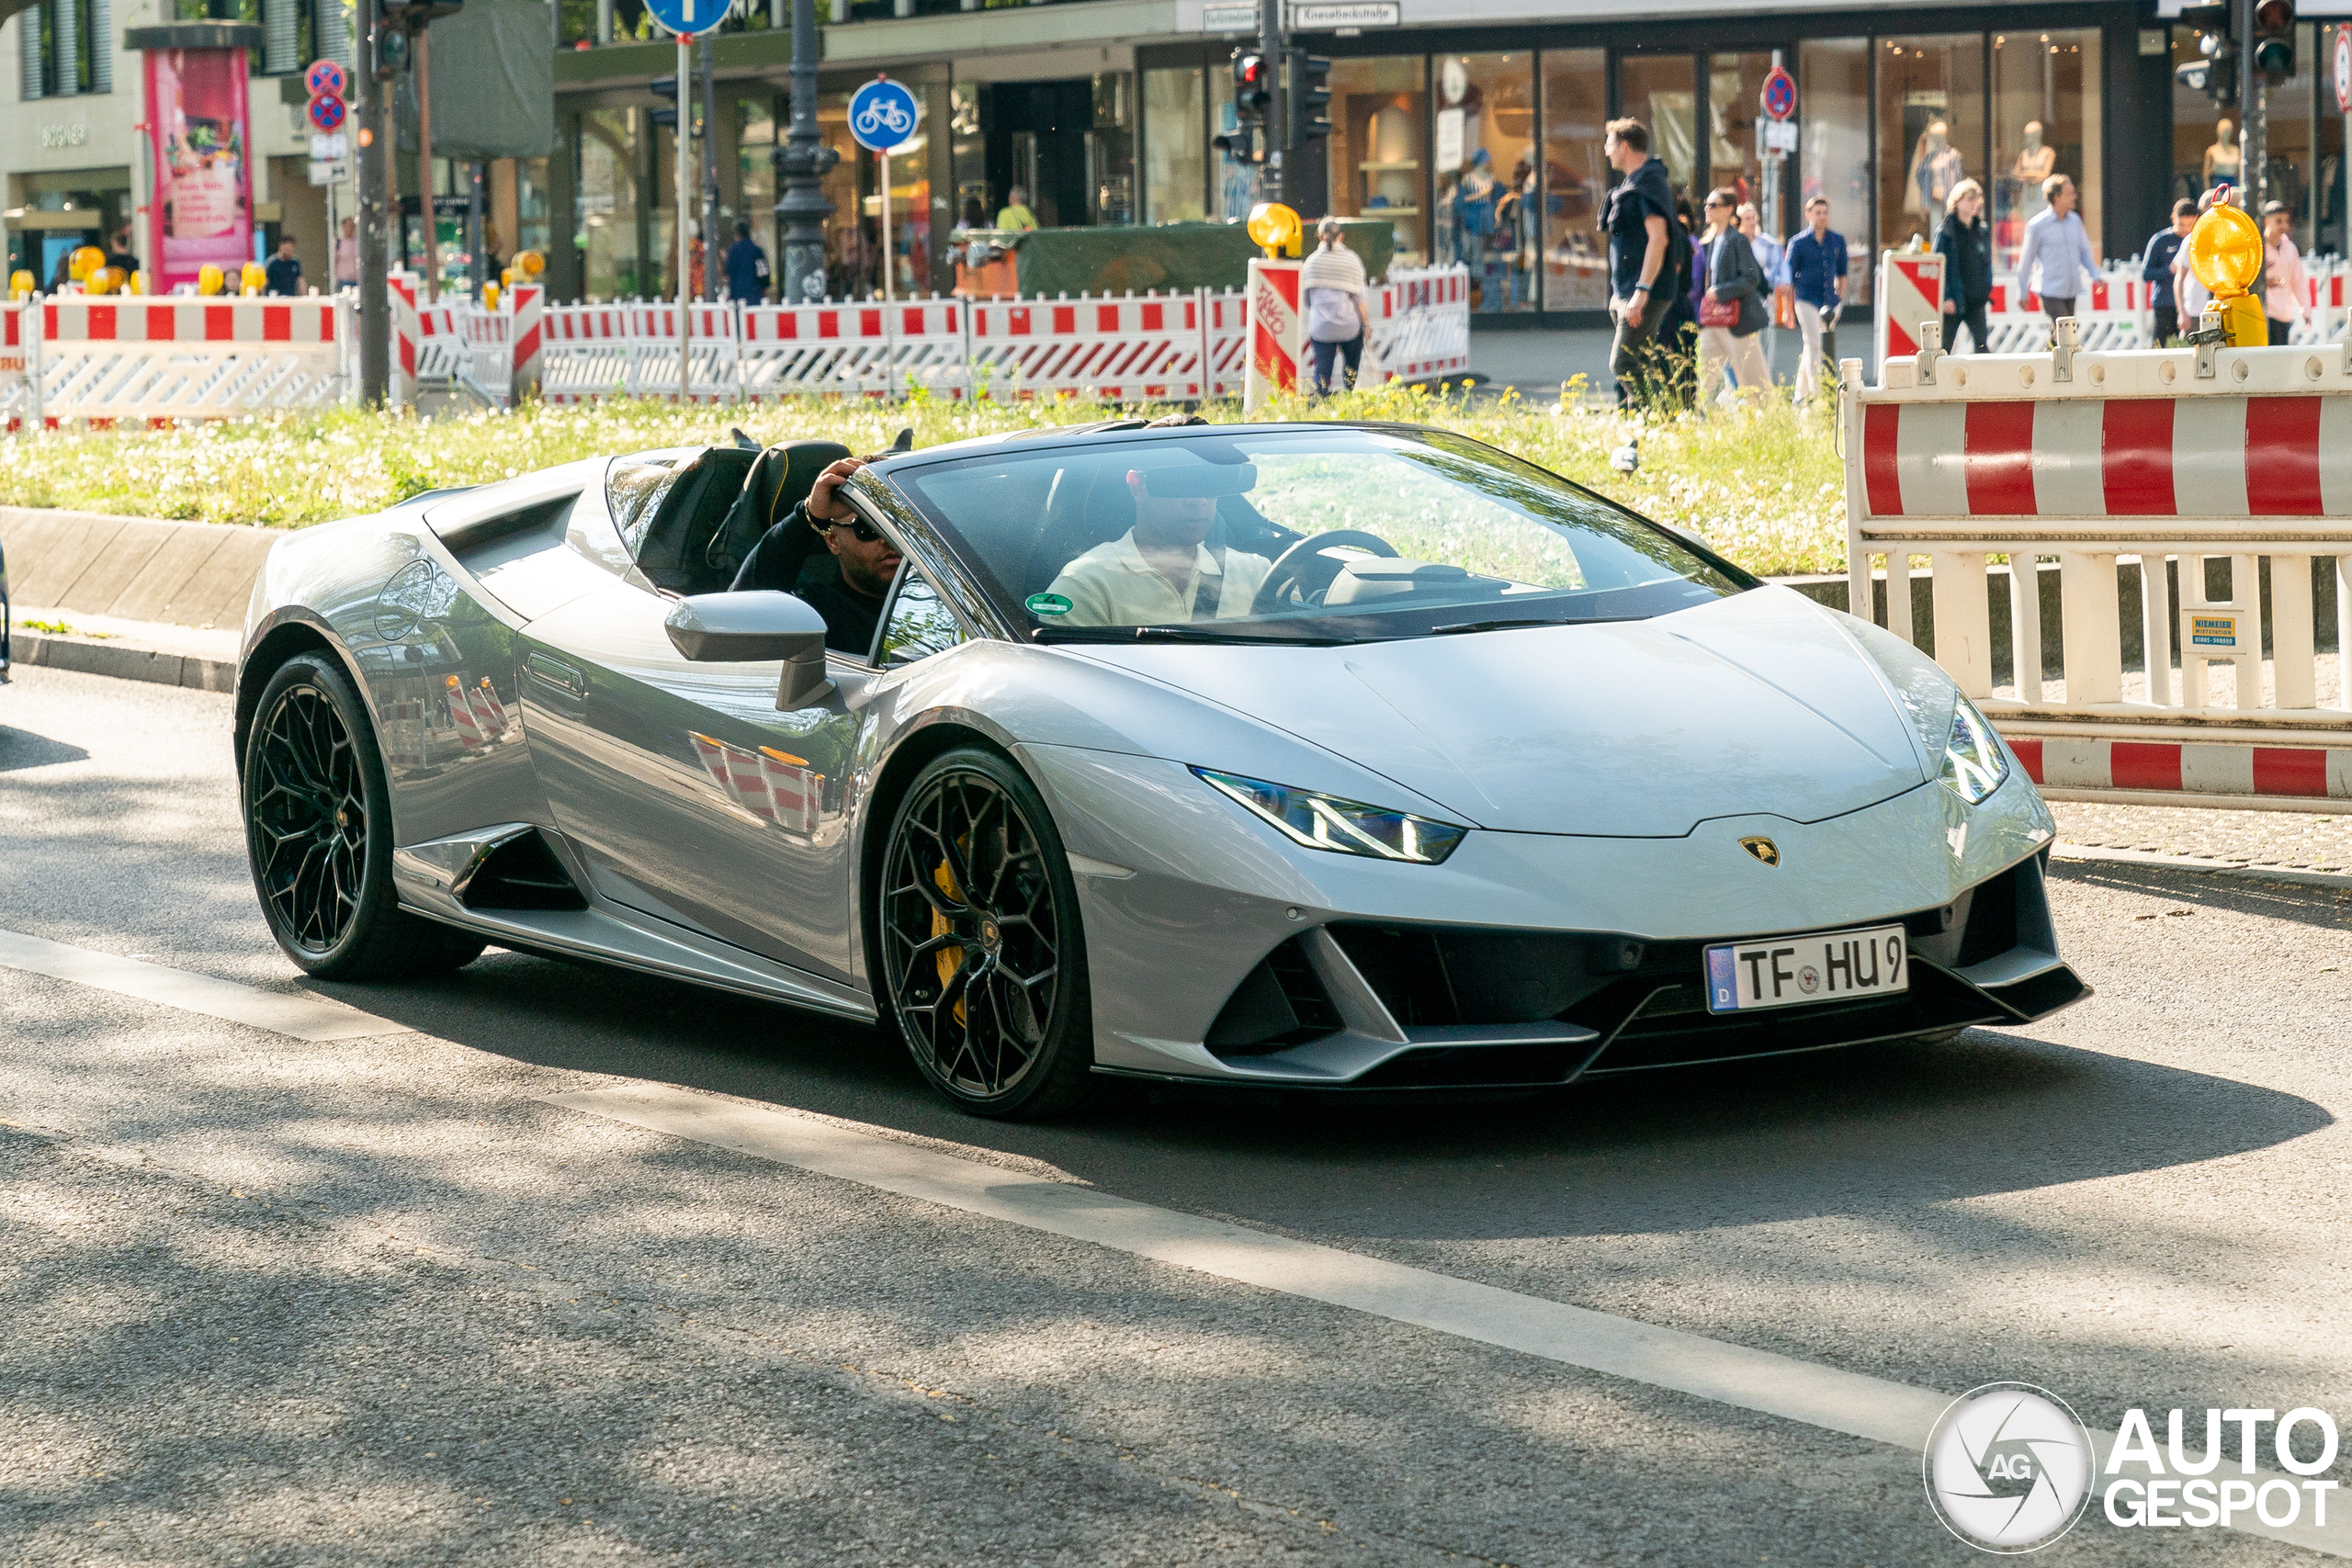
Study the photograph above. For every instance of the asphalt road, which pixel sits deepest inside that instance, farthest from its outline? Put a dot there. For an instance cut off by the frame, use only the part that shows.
(274, 1302)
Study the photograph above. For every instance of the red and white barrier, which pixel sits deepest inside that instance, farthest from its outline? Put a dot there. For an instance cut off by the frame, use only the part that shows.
(1277, 331)
(1910, 290)
(2170, 458)
(1420, 327)
(856, 350)
(103, 360)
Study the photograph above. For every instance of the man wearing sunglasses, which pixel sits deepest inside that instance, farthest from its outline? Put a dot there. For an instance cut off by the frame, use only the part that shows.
(868, 562)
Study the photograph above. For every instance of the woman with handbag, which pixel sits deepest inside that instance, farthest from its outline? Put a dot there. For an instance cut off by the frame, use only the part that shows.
(1732, 312)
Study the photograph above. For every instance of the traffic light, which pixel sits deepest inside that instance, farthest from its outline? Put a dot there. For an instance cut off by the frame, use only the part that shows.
(413, 14)
(2215, 72)
(1253, 87)
(1310, 98)
(2274, 39)
(665, 88)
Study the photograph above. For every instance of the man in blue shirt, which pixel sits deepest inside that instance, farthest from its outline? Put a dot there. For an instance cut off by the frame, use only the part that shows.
(2057, 253)
(284, 273)
(2155, 269)
(1817, 262)
(1638, 213)
(747, 268)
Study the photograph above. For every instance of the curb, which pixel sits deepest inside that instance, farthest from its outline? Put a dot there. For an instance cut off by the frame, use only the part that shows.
(37, 650)
(2338, 882)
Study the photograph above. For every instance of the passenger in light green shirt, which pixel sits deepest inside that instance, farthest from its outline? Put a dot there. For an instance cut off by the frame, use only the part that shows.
(1015, 214)
(1161, 571)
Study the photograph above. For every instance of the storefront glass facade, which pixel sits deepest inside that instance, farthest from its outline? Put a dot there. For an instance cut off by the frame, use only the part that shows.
(1380, 147)
(1576, 176)
(1483, 156)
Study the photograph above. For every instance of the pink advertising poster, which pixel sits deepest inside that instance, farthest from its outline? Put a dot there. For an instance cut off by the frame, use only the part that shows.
(203, 209)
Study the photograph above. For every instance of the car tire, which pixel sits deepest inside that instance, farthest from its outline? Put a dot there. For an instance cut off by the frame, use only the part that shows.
(318, 812)
(982, 962)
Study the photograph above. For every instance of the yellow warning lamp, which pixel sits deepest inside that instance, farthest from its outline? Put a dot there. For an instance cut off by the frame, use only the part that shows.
(20, 284)
(2225, 253)
(85, 260)
(252, 279)
(136, 283)
(490, 297)
(1276, 227)
(530, 264)
(208, 279)
(105, 280)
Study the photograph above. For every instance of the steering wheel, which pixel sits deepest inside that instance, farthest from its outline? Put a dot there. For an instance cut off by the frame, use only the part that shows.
(1305, 569)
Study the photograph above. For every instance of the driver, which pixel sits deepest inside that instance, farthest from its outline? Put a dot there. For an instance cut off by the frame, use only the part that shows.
(1161, 571)
(868, 561)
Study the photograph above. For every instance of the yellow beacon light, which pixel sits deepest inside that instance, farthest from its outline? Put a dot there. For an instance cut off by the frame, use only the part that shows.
(1275, 227)
(85, 260)
(208, 279)
(2225, 250)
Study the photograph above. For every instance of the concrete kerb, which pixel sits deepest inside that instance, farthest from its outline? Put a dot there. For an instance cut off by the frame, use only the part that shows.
(122, 661)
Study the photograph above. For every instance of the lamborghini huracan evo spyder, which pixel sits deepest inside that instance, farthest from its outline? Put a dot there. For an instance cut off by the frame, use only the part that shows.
(1332, 756)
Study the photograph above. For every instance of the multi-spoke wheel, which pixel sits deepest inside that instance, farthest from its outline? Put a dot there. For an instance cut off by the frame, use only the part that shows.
(317, 831)
(982, 965)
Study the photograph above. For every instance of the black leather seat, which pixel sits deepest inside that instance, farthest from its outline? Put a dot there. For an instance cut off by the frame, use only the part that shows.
(779, 479)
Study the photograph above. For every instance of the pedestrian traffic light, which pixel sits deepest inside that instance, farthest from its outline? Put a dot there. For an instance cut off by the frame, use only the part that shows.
(1310, 98)
(2215, 71)
(2274, 39)
(1253, 87)
(665, 87)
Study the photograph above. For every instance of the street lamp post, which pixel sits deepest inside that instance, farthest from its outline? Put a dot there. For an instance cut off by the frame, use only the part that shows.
(374, 118)
(801, 164)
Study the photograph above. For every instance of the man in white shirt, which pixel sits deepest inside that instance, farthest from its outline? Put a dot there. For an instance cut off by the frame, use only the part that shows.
(2285, 284)
(2057, 259)
(1161, 571)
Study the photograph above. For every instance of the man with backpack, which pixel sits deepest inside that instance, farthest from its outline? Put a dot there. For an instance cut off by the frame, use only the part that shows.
(1643, 235)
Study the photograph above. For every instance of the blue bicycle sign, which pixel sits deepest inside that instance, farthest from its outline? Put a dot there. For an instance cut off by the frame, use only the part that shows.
(687, 18)
(882, 114)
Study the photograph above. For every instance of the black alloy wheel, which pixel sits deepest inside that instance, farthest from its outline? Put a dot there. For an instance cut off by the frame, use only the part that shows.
(318, 833)
(983, 967)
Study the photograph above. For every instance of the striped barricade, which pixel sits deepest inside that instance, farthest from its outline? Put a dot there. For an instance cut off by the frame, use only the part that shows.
(1420, 326)
(587, 352)
(1122, 348)
(17, 383)
(101, 359)
(2113, 313)
(714, 335)
(856, 350)
(2146, 463)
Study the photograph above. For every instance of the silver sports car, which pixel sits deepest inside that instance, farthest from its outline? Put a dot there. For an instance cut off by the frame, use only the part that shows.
(1331, 756)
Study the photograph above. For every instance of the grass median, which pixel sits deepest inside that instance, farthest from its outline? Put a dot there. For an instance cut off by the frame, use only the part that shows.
(1762, 484)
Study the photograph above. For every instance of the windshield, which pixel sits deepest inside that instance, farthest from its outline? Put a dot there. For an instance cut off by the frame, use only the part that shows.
(1329, 535)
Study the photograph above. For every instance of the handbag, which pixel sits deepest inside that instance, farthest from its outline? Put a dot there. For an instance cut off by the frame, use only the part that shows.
(1714, 313)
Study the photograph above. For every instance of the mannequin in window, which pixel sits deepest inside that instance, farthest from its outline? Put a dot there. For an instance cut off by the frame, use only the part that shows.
(2222, 158)
(2035, 162)
(1936, 166)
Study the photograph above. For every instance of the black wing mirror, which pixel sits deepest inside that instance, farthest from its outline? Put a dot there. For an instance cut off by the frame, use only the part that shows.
(753, 628)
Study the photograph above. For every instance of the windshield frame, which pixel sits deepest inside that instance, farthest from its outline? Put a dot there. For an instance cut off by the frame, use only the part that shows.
(979, 584)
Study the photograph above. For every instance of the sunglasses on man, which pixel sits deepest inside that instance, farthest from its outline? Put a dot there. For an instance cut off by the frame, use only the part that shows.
(867, 532)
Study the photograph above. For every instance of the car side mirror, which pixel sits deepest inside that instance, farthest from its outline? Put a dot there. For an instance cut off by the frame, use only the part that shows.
(754, 627)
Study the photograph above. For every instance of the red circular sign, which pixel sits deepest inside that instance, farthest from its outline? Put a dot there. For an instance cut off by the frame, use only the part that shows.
(327, 114)
(326, 78)
(1779, 94)
(2343, 68)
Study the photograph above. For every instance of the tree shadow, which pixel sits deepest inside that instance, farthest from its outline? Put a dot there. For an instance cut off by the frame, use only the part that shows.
(21, 749)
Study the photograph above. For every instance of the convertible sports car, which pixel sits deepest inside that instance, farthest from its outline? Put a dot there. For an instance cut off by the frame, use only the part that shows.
(1331, 756)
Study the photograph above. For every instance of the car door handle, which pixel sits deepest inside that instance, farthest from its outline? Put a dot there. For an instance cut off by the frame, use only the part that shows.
(557, 673)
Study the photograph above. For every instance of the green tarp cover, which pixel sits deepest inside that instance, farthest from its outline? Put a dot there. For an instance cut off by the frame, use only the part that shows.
(1167, 256)
(492, 67)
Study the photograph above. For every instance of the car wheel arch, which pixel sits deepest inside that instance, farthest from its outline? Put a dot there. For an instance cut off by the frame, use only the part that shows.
(294, 634)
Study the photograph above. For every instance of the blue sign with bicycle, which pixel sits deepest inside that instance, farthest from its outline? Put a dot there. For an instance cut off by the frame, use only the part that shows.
(688, 18)
(882, 114)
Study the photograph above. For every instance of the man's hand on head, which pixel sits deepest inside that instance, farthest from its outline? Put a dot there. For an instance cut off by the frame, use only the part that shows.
(824, 505)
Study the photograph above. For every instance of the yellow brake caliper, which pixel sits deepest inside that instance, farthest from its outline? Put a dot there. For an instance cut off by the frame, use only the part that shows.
(949, 958)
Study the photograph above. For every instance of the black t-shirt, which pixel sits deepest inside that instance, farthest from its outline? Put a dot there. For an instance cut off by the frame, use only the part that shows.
(1633, 202)
(774, 564)
(850, 616)
(285, 273)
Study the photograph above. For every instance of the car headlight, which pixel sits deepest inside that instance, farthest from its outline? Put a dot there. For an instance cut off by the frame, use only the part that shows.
(1320, 821)
(1975, 763)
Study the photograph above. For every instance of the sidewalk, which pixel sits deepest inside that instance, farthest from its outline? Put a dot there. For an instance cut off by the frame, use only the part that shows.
(1535, 363)
(204, 658)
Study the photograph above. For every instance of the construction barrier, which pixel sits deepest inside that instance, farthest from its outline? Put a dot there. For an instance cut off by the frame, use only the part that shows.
(1277, 331)
(1910, 290)
(2166, 459)
(100, 360)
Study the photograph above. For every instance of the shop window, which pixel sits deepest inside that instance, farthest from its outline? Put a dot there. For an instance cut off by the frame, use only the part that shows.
(1834, 145)
(1931, 131)
(2045, 121)
(1175, 148)
(2328, 193)
(1660, 90)
(755, 142)
(606, 205)
(1379, 148)
(2291, 161)
(1110, 151)
(531, 206)
(2204, 140)
(1484, 133)
(1735, 103)
(968, 157)
(1575, 176)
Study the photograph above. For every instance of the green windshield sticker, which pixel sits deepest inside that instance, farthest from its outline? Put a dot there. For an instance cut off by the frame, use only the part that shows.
(1048, 605)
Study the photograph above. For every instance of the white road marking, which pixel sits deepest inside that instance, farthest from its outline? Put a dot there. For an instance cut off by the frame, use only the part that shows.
(302, 1016)
(1883, 1411)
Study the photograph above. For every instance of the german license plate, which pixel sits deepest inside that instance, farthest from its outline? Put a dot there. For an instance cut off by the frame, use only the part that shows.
(1788, 971)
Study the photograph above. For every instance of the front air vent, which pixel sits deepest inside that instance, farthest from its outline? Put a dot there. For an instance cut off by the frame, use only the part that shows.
(1280, 1003)
(522, 873)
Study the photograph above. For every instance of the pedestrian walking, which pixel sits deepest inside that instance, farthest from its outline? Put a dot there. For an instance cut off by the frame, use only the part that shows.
(2285, 286)
(746, 268)
(346, 256)
(2192, 295)
(1965, 242)
(1333, 285)
(1817, 265)
(284, 273)
(2057, 256)
(1637, 216)
(1730, 307)
(2156, 269)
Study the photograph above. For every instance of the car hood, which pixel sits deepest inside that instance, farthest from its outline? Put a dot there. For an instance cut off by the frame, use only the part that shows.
(1757, 702)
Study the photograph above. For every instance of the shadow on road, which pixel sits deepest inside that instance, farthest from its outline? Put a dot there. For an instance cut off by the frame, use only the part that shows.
(23, 749)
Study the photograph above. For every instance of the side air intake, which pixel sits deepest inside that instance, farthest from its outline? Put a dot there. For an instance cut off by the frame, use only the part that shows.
(521, 874)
